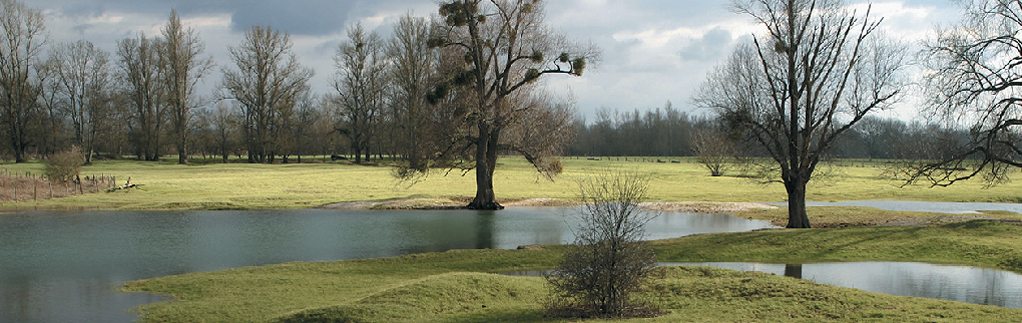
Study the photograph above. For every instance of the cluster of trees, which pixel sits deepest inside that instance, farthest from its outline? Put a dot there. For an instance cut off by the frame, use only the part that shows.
(455, 90)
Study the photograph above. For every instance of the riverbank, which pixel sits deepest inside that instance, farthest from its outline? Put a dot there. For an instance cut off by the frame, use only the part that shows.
(238, 186)
(458, 286)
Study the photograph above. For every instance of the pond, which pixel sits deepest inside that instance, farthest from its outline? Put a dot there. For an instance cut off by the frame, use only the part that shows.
(64, 266)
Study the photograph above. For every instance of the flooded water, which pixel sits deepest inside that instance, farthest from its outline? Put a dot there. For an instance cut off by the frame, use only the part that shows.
(64, 266)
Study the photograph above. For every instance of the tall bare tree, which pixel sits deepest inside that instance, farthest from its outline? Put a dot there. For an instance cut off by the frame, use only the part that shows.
(183, 66)
(412, 67)
(81, 83)
(140, 76)
(977, 78)
(360, 85)
(268, 82)
(22, 38)
(503, 48)
(818, 70)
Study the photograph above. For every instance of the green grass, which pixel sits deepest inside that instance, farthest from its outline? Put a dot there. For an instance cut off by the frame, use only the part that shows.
(853, 216)
(454, 286)
(166, 185)
(984, 243)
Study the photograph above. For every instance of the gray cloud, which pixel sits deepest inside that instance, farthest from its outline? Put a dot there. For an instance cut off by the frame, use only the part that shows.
(712, 46)
(311, 17)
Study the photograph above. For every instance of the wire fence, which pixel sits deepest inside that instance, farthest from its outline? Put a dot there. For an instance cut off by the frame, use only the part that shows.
(28, 187)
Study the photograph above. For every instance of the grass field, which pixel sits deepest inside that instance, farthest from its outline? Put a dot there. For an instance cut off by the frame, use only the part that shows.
(166, 185)
(458, 286)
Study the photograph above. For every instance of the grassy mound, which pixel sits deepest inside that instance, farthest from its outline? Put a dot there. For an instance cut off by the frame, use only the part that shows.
(692, 294)
(451, 297)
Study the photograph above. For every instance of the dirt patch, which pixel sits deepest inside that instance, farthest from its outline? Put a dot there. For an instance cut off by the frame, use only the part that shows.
(546, 201)
(398, 204)
(705, 207)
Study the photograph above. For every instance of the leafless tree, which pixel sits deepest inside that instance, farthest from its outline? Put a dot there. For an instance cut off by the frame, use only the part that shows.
(360, 85)
(82, 80)
(714, 149)
(609, 260)
(53, 140)
(223, 121)
(267, 82)
(22, 38)
(411, 71)
(503, 48)
(140, 76)
(976, 81)
(183, 66)
(818, 70)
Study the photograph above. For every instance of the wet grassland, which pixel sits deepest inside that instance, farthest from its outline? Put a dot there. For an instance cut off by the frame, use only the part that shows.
(462, 285)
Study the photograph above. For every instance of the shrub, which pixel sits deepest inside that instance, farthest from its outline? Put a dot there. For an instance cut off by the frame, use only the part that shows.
(608, 261)
(65, 166)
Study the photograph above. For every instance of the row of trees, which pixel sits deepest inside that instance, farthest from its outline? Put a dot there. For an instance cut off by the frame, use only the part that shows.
(453, 91)
(669, 132)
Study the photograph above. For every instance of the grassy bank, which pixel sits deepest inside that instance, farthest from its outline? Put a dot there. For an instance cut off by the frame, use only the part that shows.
(852, 216)
(166, 185)
(455, 286)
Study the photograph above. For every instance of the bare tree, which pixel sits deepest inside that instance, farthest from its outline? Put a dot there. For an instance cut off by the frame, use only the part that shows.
(22, 38)
(819, 69)
(53, 140)
(411, 72)
(183, 65)
(81, 82)
(977, 78)
(223, 121)
(714, 149)
(504, 47)
(609, 260)
(140, 76)
(360, 85)
(267, 82)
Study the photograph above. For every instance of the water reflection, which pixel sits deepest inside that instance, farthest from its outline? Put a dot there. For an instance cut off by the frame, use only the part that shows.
(956, 283)
(63, 266)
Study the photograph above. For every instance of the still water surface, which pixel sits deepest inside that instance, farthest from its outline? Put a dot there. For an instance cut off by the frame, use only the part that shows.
(64, 266)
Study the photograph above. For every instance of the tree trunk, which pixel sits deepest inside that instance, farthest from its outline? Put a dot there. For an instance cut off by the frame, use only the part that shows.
(797, 217)
(486, 160)
(182, 154)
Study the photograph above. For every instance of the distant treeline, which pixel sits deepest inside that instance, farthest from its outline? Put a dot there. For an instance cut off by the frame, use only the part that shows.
(669, 132)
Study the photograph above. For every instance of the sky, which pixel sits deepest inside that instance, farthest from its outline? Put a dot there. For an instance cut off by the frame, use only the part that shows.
(654, 51)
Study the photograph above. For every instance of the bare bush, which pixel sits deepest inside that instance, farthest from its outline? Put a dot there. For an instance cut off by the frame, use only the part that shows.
(714, 150)
(609, 261)
(64, 166)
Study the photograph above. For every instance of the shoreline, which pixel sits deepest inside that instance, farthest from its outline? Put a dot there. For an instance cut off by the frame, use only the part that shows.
(456, 204)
